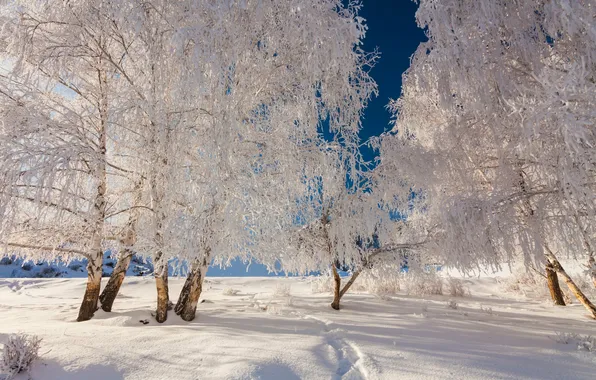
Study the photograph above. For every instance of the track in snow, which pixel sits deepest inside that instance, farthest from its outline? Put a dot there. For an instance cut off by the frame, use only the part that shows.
(350, 361)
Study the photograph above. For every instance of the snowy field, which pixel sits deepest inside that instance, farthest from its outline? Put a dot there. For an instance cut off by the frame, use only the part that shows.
(247, 328)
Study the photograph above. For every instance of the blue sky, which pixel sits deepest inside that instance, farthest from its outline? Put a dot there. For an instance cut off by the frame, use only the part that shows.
(392, 29)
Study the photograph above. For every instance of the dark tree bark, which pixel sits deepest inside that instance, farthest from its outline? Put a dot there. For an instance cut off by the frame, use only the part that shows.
(553, 285)
(110, 292)
(186, 306)
(339, 291)
(185, 292)
(161, 283)
(90, 300)
(336, 289)
(189, 297)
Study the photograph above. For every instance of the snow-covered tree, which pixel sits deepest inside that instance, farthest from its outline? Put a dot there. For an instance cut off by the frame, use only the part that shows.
(495, 130)
(59, 97)
(275, 71)
(345, 219)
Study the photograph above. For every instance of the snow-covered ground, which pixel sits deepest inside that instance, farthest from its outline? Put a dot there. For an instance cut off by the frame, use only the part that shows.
(256, 334)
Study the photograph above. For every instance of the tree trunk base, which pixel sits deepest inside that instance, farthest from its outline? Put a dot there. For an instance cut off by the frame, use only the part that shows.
(110, 292)
(335, 305)
(186, 306)
(161, 281)
(553, 285)
(90, 300)
(184, 294)
(336, 288)
(338, 291)
(189, 313)
(91, 297)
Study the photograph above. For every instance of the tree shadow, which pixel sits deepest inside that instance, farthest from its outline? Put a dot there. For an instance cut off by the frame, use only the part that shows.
(273, 371)
(52, 370)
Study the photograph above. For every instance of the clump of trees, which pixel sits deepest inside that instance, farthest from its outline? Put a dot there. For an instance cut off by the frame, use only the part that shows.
(194, 133)
(174, 130)
(495, 131)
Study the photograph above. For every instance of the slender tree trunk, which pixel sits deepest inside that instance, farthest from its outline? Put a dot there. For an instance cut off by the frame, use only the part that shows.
(185, 292)
(127, 240)
(333, 258)
(89, 304)
(111, 290)
(553, 285)
(161, 282)
(157, 183)
(160, 271)
(193, 286)
(572, 286)
(186, 306)
(95, 263)
(159, 261)
(336, 288)
(347, 286)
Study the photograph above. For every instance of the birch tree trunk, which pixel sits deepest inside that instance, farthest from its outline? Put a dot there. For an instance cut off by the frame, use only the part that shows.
(186, 306)
(160, 262)
(185, 292)
(95, 263)
(336, 288)
(571, 284)
(91, 297)
(336, 277)
(110, 292)
(553, 285)
(161, 283)
(347, 286)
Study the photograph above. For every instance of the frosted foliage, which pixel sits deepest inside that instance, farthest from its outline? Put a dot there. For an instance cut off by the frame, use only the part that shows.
(321, 284)
(456, 287)
(196, 120)
(527, 283)
(418, 283)
(381, 280)
(532, 284)
(351, 226)
(583, 343)
(19, 353)
(259, 108)
(495, 129)
(282, 290)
